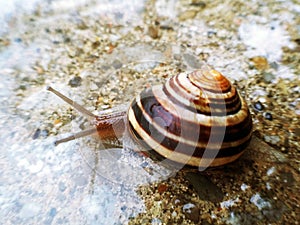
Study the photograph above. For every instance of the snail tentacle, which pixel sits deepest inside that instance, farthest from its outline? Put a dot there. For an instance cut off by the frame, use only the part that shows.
(107, 126)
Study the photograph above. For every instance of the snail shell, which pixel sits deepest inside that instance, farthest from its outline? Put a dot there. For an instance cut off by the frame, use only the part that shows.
(197, 119)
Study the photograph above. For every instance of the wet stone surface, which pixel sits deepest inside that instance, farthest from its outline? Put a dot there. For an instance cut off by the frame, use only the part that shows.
(101, 54)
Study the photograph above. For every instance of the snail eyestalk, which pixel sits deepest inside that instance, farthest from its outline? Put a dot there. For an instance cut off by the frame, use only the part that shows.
(71, 102)
(75, 136)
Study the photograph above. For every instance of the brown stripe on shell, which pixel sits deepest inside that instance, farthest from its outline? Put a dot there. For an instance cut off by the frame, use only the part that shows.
(190, 150)
(146, 140)
(151, 106)
(147, 109)
(183, 92)
(210, 80)
(206, 106)
(184, 80)
(201, 119)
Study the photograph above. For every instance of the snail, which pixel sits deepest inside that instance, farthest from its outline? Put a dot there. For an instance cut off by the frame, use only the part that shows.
(197, 119)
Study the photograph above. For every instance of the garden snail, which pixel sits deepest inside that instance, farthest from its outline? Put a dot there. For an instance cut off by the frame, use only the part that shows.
(195, 118)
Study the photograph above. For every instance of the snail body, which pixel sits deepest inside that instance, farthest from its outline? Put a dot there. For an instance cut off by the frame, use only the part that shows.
(196, 118)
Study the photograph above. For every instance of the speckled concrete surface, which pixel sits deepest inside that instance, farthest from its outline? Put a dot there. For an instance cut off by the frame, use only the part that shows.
(102, 53)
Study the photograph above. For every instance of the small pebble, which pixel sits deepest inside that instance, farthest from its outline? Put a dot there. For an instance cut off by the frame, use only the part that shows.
(117, 64)
(18, 40)
(153, 32)
(52, 212)
(273, 139)
(62, 187)
(244, 187)
(271, 171)
(211, 33)
(75, 81)
(162, 188)
(187, 207)
(36, 134)
(191, 211)
(268, 77)
(274, 65)
(198, 3)
(40, 133)
(259, 202)
(96, 44)
(155, 221)
(189, 14)
(205, 188)
(258, 106)
(260, 63)
(229, 203)
(268, 116)
(44, 133)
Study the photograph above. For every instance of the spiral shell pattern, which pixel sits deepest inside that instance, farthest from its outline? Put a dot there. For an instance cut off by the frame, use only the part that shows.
(195, 118)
